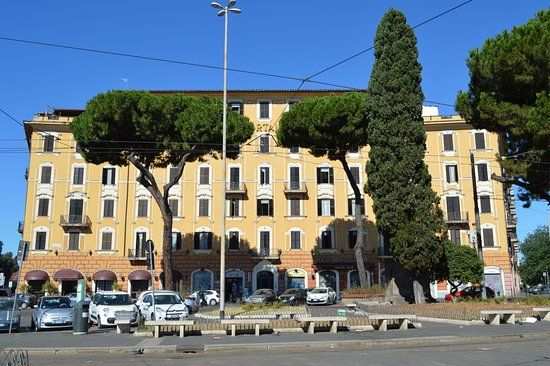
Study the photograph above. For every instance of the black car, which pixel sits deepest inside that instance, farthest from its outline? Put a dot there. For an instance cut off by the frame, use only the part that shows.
(474, 292)
(262, 296)
(293, 296)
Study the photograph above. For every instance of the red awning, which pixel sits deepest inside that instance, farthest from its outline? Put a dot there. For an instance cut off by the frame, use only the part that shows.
(104, 275)
(139, 275)
(67, 275)
(36, 275)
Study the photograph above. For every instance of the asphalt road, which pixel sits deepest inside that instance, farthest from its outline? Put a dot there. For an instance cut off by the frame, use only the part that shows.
(504, 354)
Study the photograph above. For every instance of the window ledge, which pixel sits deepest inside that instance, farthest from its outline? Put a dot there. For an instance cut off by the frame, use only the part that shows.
(202, 251)
(106, 252)
(235, 217)
(301, 217)
(40, 251)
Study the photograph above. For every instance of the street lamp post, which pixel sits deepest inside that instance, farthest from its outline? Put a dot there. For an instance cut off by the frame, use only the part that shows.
(224, 11)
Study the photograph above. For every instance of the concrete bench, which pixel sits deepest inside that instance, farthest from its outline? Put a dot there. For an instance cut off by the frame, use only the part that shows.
(381, 320)
(544, 313)
(495, 317)
(234, 322)
(123, 321)
(310, 321)
(351, 306)
(181, 324)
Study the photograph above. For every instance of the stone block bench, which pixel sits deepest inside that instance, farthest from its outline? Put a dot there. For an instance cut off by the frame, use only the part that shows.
(181, 324)
(239, 322)
(380, 321)
(310, 321)
(123, 321)
(495, 317)
(544, 313)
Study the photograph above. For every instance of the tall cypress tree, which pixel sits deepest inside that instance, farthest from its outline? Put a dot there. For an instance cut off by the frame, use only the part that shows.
(399, 183)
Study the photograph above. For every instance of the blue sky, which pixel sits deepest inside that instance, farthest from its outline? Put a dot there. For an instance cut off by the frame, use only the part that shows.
(287, 37)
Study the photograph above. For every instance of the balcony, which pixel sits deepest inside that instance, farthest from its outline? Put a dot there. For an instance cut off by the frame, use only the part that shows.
(137, 254)
(20, 227)
(266, 253)
(75, 221)
(295, 188)
(235, 188)
(457, 217)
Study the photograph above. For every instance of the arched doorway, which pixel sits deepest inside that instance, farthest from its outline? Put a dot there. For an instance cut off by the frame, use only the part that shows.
(296, 278)
(265, 279)
(234, 285)
(202, 280)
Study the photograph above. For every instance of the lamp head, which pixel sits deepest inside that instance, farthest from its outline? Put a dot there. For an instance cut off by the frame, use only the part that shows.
(216, 5)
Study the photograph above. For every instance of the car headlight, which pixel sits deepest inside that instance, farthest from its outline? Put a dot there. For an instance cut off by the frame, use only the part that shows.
(292, 298)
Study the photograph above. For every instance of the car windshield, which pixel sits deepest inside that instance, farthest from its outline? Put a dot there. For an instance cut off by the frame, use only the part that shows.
(167, 299)
(6, 304)
(261, 292)
(291, 291)
(319, 291)
(55, 303)
(118, 299)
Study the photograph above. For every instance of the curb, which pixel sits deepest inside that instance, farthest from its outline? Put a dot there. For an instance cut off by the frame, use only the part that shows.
(449, 321)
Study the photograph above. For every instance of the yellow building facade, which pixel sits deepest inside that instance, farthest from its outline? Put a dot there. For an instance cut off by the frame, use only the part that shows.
(288, 215)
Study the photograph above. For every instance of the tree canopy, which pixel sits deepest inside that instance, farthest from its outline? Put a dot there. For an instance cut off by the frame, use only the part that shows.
(148, 131)
(398, 179)
(332, 126)
(509, 93)
(464, 265)
(536, 256)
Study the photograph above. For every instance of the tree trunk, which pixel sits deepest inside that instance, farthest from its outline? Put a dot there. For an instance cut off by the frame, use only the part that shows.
(167, 250)
(359, 244)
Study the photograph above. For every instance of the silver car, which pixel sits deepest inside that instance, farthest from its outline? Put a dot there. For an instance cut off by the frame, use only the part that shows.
(52, 312)
(6, 307)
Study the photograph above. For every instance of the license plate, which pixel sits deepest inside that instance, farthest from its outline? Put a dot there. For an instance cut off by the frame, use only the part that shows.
(58, 321)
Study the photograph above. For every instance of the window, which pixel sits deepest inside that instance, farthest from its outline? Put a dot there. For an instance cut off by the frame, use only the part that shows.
(78, 175)
(108, 177)
(174, 204)
(46, 175)
(265, 207)
(353, 150)
(454, 236)
(204, 175)
(233, 242)
(294, 177)
(176, 240)
(48, 143)
(43, 207)
(103, 285)
(265, 110)
(326, 239)
(295, 207)
(482, 172)
(40, 240)
(451, 172)
(108, 207)
(234, 178)
(107, 240)
(265, 178)
(141, 238)
(295, 239)
(74, 240)
(264, 143)
(448, 142)
(294, 149)
(351, 206)
(173, 172)
(143, 208)
(325, 175)
(325, 207)
(236, 107)
(203, 240)
(485, 204)
(488, 238)
(352, 238)
(479, 140)
(76, 210)
(356, 174)
(234, 205)
(265, 246)
(453, 208)
(204, 209)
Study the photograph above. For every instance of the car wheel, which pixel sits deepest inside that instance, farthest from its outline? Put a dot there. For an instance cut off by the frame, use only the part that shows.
(212, 302)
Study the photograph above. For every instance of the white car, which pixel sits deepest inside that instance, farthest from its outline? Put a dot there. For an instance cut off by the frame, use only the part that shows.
(321, 296)
(168, 306)
(105, 306)
(211, 297)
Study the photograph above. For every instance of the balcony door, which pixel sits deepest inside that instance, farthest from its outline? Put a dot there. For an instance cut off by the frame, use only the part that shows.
(76, 209)
(294, 177)
(265, 247)
(453, 208)
(234, 178)
(141, 237)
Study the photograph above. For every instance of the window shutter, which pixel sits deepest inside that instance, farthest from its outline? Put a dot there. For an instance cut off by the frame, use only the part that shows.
(331, 175)
(209, 244)
(318, 175)
(319, 208)
(196, 238)
(270, 207)
(350, 207)
(332, 207)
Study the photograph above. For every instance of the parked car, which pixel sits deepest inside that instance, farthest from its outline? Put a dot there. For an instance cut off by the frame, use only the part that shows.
(293, 296)
(105, 305)
(207, 297)
(5, 292)
(470, 292)
(52, 312)
(168, 305)
(6, 308)
(262, 296)
(72, 297)
(27, 300)
(192, 303)
(321, 296)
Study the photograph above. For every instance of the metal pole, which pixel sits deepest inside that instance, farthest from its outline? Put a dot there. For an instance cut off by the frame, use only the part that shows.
(224, 163)
(479, 245)
(15, 296)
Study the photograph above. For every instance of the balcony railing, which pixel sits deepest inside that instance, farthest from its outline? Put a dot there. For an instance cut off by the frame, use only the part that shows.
(295, 187)
(75, 221)
(20, 227)
(137, 254)
(267, 253)
(235, 188)
(456, 217)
